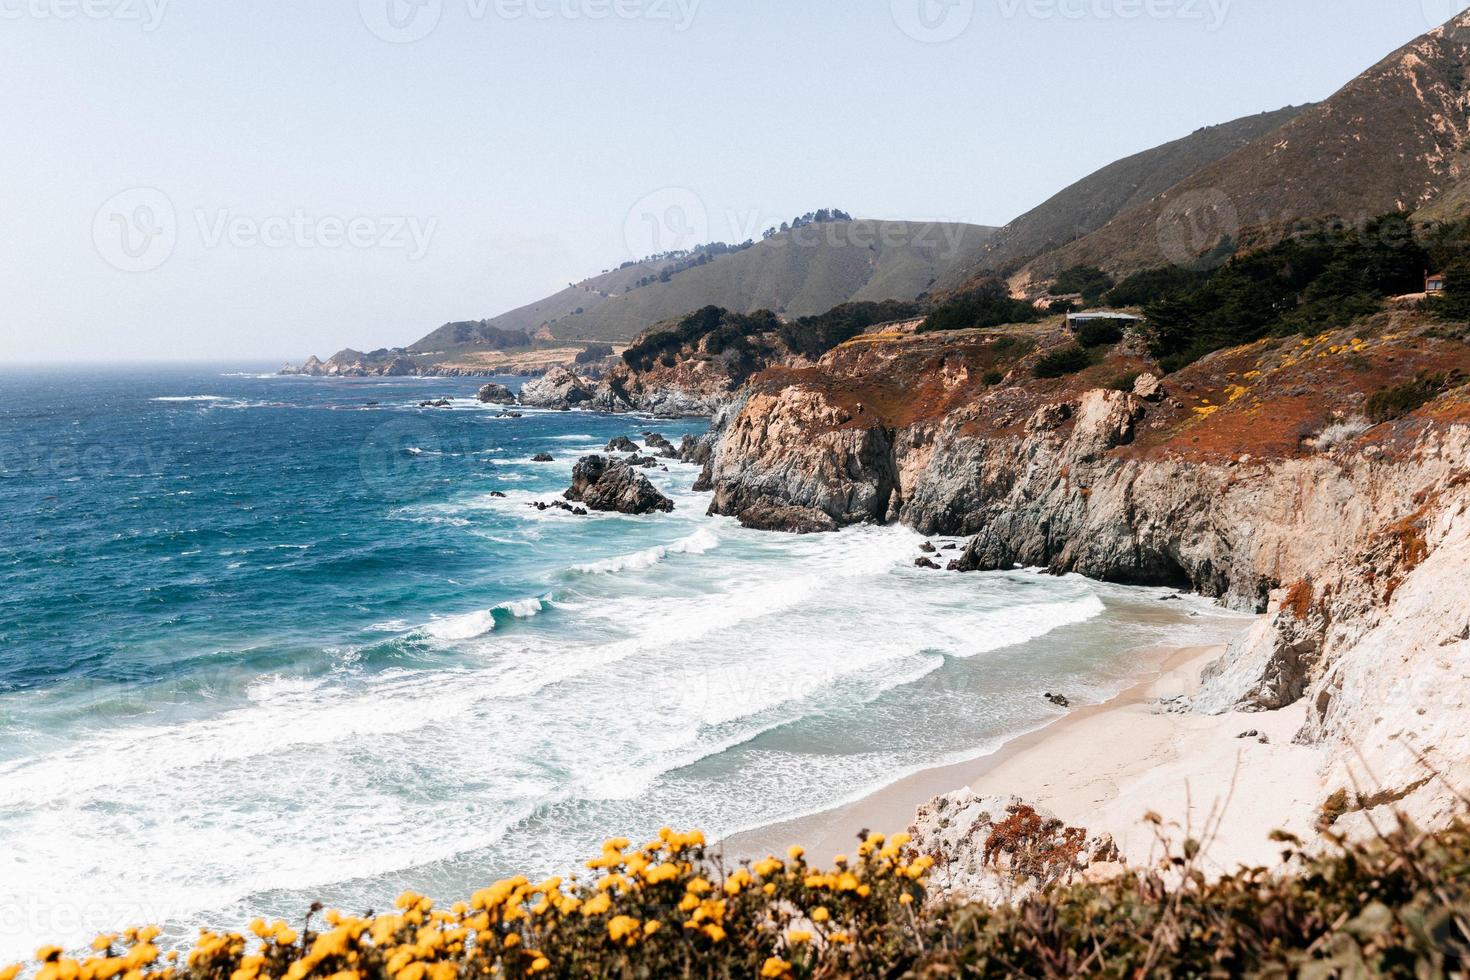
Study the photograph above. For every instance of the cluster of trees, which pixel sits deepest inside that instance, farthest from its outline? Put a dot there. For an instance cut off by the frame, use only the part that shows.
(1317, 279)
(813, 336)
(1090, 281)
(810, 218)
(713, 330)
(683, 260)
(987, 305)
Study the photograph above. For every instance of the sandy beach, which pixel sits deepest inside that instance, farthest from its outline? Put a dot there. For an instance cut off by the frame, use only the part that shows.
(1105, 766)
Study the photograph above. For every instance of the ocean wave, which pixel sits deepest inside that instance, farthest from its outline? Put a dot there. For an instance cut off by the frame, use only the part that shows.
(193, 398)
(1013, 625)
(468, 626)
(696, 544)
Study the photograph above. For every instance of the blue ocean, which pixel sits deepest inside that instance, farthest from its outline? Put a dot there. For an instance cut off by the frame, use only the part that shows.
(266, 640)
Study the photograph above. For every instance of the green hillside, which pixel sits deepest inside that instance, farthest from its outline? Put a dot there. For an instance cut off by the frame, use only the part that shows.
(800, 272)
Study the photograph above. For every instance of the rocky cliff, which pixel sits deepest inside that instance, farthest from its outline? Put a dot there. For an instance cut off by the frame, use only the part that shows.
(1250, 476)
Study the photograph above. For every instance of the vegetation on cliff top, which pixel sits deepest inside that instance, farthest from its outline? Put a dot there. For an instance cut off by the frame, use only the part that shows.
(1396, 905)
(1327, 277)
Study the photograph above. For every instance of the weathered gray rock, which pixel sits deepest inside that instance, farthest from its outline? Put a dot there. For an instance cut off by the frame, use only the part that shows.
(768, 515)
(557, 388)
(612, 485)
(954, 830)
(621, 444)
(1148, 387)
(496, 394)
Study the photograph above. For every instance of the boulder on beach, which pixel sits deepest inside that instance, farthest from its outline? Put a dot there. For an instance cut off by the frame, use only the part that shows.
(770, 515)
(495, 394)
(612, 485)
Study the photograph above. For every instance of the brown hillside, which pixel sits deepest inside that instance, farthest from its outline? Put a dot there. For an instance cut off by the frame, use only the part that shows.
(1393, 139)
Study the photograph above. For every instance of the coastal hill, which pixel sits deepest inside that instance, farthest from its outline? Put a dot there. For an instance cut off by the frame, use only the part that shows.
(798, 272)
(804, 270)
(1093, 201)
(1392, 139)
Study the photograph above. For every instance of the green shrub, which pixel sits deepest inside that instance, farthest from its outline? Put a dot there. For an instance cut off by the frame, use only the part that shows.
(988, 305)
(1396, 401)
(1098, 333)
(813, 336)
(1087, 280)
(1063, 361)
(992, 378)
(1125, 381)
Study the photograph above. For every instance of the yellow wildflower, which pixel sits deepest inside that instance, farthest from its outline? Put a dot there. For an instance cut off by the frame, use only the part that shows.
(621, 927)
(795, 851)
(539, 963)
(714, 932)
(774, 968)
(820, 914)
(597, 904)
(798, 936)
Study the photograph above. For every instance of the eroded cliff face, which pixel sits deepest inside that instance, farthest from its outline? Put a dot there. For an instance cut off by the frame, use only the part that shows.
(1248, 476)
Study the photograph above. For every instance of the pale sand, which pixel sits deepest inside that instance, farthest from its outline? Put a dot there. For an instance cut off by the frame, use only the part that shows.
(1104, 766)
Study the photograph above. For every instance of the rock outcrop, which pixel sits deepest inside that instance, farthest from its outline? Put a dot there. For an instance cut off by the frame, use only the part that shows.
(612, 485)
(1211, 481)
(767, 515)
(1000, 849)
(496, 394)
(558, 388)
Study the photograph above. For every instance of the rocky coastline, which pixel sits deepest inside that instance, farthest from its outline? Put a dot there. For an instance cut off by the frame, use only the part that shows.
(1224, 478)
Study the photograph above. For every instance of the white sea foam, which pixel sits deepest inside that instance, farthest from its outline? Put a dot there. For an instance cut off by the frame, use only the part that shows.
(193, 398)
(695, 544)
(468, 626)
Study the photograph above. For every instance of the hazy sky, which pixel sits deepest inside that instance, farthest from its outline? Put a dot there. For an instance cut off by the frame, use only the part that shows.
(229, 179)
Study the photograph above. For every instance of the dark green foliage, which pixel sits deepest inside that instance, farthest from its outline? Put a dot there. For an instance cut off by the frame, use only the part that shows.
(593, 352)
(1152, 285)
(1061, 306)
(1063, 361)
(992, 378)
(712, 330)
(1317, 280)
(1085, 279)
(1454, 302)
(1396, 401)
(988, 305)
(1124, 382)
(1098, 333)
(813, 336)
